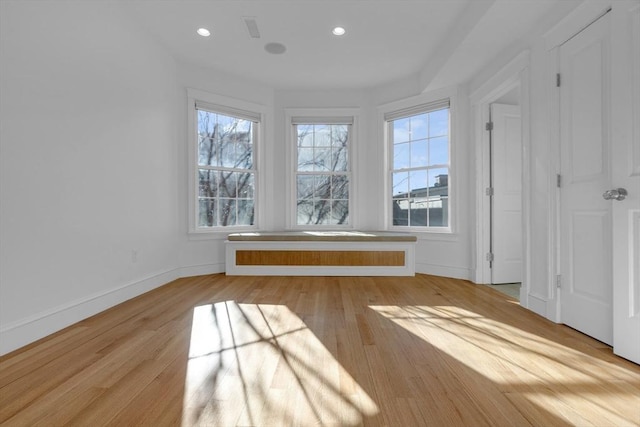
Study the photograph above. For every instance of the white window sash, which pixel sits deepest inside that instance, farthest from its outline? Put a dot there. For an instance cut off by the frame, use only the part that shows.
(219, 104)
(228, 111)
(417, 109)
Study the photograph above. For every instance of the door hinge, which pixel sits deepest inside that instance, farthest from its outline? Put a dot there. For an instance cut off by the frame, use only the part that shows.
(488, 126)
(490, 256)
(558, 281)
(558, 180)
(558, 80)
(489, 191)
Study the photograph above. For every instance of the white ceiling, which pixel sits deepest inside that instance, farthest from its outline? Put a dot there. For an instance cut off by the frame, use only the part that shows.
(386, 40)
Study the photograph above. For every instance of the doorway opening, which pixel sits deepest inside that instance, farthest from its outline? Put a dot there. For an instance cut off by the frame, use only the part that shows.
(502, 179)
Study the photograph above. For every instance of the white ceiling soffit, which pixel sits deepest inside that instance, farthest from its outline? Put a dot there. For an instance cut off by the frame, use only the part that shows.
(385, 40)
(503, 25)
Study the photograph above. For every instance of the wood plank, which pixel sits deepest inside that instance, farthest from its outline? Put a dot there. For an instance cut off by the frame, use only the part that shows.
(332, 351)
(320, 258)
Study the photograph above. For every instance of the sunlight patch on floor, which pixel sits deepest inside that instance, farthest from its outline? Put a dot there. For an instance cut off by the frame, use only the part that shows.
(251, 362)
(548, 374)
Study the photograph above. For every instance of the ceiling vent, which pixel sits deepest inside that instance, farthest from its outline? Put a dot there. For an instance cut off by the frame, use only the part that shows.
(252, 27)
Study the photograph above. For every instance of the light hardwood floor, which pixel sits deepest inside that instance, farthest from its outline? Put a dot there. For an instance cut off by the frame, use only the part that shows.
(318, 351)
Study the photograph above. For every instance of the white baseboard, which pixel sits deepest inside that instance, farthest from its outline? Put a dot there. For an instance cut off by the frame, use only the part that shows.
(444, 271)
(537, 304)
(29, 329)
(201, 270)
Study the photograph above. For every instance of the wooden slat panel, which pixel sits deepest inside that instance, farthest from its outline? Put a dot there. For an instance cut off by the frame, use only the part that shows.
(323, 258)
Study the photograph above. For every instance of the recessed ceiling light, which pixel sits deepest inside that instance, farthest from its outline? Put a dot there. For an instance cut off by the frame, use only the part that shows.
(203, 32)
(338, 31)
(275, 48)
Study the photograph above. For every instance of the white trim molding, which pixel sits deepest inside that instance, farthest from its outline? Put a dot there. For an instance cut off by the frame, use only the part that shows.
(514, 75)
(39, 325)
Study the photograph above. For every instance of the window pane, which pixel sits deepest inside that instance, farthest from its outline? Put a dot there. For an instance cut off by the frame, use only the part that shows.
(207, 213)
(305, 159)
(228, 184)
(238, 137)
(207, 151)
(226, 124)
(401, 130)
(207, 183)
(245, 185)
(322, 212)
(322, 187)
(439, 151)
(439, 123)
(244, 127)
(400, 211)
(419, 153)
(400, 184)
(227, 212)
(322, 159)
(322, 136)
(439, 178)
(339, 135)
(305, 211)
(305, 135)
(438, 197)
(245, 212)
(418, 215)
(418, 205)
(339, 187)
(401, 156)
(206, 123)
(339, 212)
(419, 127)
(340, 161)
(244, 155)
(418, 183)
(305, 186)
(227, 152)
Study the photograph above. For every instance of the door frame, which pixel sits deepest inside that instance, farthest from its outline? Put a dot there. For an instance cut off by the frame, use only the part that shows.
(515, 74)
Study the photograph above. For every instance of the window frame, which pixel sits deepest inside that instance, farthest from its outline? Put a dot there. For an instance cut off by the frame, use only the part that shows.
(294, 116)
(414, 106)
(231, 107)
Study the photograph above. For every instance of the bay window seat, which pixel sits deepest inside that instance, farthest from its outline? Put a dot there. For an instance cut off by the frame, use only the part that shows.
(321, 253)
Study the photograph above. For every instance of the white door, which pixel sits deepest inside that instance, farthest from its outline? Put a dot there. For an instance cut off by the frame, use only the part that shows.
(626, 174)
(585, 217)
(506, 180)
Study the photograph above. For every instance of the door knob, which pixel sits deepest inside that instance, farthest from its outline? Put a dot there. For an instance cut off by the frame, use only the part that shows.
(615, 194)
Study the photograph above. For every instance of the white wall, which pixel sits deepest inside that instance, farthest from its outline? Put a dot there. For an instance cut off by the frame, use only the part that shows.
(94, 157)
(88, 165)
